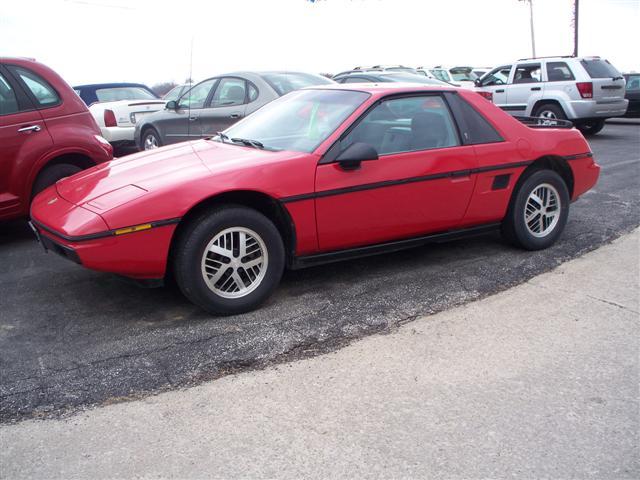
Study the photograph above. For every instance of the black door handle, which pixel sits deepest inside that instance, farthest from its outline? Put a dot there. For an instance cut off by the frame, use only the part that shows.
(235, 115)
(500, 90)
(533, 89)
(193, 119)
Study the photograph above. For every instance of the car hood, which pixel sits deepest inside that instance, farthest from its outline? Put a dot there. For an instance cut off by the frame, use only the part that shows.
(114, 183)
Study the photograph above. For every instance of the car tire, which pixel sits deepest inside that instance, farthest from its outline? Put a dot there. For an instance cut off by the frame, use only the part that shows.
(590, 127)
(51, 174)
(549, 112)
(150, 139)
(528, 223)
(209, 266)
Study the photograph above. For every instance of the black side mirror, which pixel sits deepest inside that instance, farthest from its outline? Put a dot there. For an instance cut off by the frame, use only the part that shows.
(477, 82)
(171, 105)
(356, 153)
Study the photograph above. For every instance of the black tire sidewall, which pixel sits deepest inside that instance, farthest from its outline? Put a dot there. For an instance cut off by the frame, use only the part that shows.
(591, 127)
(191, 246)
(51, 175)
(520, 233)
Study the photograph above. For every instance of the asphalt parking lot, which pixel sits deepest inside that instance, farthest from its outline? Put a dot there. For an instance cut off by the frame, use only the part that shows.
(72, 338)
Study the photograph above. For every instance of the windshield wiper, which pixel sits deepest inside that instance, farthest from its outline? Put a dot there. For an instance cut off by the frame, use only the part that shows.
(222, 136)
(249, 142)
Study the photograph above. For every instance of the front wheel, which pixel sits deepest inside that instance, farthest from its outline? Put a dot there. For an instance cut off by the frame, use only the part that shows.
(591, 127)
(229, 260)
(538, 211)
(151, 139)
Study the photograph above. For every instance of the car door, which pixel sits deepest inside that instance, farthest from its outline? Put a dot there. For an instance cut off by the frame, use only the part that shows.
(409, 190)
(525, 88)
(226, 106)
(23, 139)
(183, 123)
(496, 82)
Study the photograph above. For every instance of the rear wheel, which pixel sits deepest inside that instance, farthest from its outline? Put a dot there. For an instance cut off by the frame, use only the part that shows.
(548, 112)
(229, 260)
(51, 174)
(538, 211)
(151, 139)
(590, 127)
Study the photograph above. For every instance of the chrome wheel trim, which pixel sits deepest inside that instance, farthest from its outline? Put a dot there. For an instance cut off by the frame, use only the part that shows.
(547, 117)
(235, 262)
(150, 141)
(542, 210)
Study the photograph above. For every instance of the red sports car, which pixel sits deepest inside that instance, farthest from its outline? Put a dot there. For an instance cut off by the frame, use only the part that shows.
(319, 175)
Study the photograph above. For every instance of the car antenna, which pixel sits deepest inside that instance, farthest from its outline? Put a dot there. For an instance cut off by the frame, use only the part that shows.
(190, 92)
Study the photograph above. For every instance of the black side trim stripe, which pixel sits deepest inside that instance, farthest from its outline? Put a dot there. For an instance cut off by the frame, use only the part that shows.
(108, 233)
(403, 181)
(578, 156)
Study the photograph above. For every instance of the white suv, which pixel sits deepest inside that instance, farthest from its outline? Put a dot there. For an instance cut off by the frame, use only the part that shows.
(585, 90)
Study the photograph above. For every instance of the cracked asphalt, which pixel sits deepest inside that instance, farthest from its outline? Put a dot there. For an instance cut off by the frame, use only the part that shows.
(71, 338)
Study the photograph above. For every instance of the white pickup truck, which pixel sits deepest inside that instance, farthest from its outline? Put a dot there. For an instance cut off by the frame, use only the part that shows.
(116, 107)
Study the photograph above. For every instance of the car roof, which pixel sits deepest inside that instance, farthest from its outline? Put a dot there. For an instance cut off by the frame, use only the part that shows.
(112, 85)
(380, 89)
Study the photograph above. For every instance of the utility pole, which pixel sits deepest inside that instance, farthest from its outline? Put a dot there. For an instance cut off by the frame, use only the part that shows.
(576, 7)
(533, 38)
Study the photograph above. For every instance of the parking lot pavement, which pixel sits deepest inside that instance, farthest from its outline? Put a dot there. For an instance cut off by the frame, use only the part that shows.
(540, 381)
(72, 338)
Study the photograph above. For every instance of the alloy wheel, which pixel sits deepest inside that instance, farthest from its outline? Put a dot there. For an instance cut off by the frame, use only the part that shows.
(150, 142)
(234, 262)
(542, 210)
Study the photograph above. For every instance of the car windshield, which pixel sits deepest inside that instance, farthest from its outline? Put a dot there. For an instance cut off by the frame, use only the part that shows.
(597, 68)
(123, 93)
(175, 92)
(284, 83)
(299, 121)
(463, 74)
(411, 78)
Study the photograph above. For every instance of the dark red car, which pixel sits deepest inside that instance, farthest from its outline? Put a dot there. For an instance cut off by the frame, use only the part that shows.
(46, 133)
(319, 175)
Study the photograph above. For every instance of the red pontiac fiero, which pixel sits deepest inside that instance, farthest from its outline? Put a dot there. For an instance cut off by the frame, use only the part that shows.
(319, 175)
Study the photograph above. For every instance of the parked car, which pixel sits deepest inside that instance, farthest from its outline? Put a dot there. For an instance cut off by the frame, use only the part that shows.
(117, 107)
(378, 68)
(585, 90)
(177, 91)
(385, 76)
(319, 175)
(632, 94)
(46, 133)
(480, 71)
(461, 76)
(216, 103)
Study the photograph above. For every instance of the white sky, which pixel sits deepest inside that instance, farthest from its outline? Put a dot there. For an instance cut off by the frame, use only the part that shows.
(150, 41)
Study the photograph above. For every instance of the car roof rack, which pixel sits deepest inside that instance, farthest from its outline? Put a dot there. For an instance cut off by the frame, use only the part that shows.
(548, 56)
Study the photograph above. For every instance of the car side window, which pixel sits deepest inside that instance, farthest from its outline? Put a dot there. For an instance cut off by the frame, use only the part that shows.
(44, 93)
(497, 76)
(406, 125)
(197, 96)
(354, 80)
(230, 92)
(559, 72)
(8, 100)
(529, 73)
(253, 91)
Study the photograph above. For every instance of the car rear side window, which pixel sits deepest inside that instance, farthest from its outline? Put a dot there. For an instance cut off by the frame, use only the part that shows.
(44, 93)
(253, 91)
(599, 68)
(406, 125)
(230, 92)
(8, 100)
(559, 72)
(475, 129)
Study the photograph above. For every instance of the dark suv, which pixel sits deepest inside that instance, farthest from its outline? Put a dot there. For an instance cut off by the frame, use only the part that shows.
(46, 133)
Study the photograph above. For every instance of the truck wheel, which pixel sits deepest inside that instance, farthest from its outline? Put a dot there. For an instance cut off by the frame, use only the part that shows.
(229, 259)
(538, 211)
(548, 112)
(50, 175)
(590, 127)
